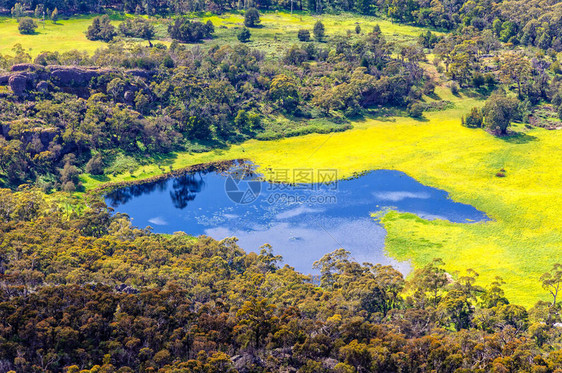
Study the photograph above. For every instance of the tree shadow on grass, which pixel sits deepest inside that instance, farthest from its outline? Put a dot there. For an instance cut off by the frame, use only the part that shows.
(434, 96)
(165, 159)
(479, 94)
(420, 119)
(518, 138)
(100, 178)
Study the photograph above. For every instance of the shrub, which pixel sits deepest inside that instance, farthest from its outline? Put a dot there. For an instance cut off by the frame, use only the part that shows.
(69, 187)
(252, 18)
(27, 26)
(304, 35)
(244, 35)
(101, 29)
(190, 32)
(295, 55)
(454, 88)
(137, 28)
(319, 31)
(478, 80)
(475, 118)
(416, 110)
(357, 29)
(429, 87)
(95, 165)
(17, 10)
(489, 80)
(55, 15)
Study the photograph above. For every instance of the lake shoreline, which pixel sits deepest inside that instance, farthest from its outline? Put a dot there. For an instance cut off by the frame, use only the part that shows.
(207, 166)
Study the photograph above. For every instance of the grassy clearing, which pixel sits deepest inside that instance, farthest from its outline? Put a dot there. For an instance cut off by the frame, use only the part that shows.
(520, 244)
(280, 28)
(277, 30)
(63, 36)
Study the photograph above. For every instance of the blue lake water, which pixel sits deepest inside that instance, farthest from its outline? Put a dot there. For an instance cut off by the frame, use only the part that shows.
(302, 222)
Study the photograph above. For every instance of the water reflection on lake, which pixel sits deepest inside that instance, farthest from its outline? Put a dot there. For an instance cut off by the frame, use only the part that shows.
(302, 222)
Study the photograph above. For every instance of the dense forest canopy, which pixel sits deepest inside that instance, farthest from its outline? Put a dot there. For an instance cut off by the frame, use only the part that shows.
(89, 291)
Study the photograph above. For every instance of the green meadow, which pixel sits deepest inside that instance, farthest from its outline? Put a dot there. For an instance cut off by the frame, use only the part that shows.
(63, 36)
(277, 30)
(280, 28)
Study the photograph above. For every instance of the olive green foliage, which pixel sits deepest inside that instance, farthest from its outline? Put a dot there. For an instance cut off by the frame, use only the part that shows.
(474, 118)
(17, 10)
(93, 293)
(187, 31)
(101, 29)
(26, 26)
(55, 15)
(416, 110)
(304, 35)
(499, 112)
(137, 28)
(187, 96)
(252, 18)
(244, 35)
(319, 31)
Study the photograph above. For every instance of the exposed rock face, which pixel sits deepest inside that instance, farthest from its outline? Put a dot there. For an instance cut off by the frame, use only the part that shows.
(18, 83)
(129, 97)
(73, 76)
(42, 86)
(27, 67)
(141, 73)
(126, 289)
(4, 129)
(70, 79)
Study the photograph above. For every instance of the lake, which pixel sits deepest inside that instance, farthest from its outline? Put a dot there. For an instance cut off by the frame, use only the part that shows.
(302, 221)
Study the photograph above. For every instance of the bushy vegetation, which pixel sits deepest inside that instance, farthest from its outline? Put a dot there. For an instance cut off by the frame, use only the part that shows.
(26, 26)
(188, 31)
(86, 290)
(252, 18)
(101, 29)
(188, 95)
(244, 35)
(137, 28)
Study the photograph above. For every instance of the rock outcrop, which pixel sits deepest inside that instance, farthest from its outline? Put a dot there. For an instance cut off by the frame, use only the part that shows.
(67, 76)
(18, 83)
(28, 77)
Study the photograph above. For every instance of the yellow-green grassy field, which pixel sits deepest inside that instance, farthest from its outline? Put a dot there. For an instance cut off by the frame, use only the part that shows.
(523, 240)
(280, 29)
(63, 36)
(277, 30)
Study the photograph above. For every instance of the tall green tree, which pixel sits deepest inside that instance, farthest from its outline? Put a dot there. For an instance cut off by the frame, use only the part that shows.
(319, 31)
(499, 111)
(252, 18)
(55, 15)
